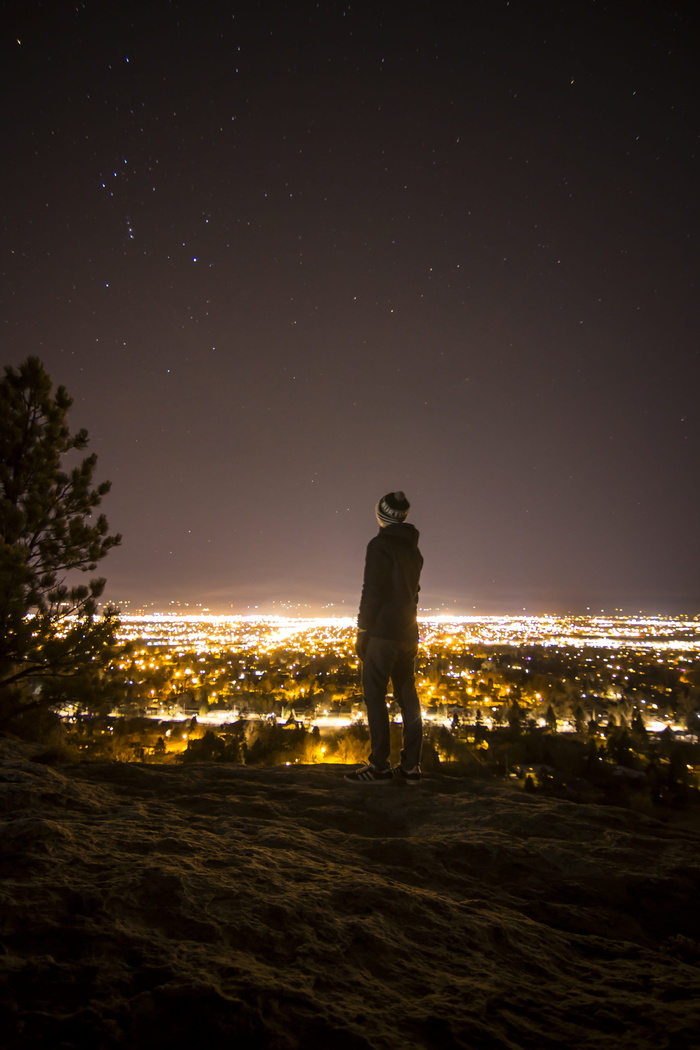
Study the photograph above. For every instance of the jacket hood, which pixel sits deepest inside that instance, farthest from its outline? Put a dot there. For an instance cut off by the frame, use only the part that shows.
(401, 532)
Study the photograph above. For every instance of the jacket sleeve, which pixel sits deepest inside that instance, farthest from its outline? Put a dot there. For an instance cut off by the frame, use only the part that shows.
(374, 585)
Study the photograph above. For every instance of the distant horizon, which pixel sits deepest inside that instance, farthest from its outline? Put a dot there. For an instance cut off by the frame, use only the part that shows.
(340, 610)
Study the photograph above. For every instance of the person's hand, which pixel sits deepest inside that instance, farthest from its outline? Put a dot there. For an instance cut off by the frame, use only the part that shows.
(361, 644)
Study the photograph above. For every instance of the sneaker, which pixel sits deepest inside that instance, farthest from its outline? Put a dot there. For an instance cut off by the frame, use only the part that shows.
(369, 775)
(409, 776)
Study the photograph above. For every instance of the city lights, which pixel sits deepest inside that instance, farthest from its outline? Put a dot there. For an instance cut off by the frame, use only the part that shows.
(595, 678)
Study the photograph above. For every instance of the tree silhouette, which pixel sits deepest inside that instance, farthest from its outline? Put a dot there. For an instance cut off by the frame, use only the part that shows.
(515, 717)
(49, 627)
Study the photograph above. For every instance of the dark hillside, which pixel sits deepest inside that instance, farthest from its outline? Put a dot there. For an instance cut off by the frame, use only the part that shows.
(221, 905)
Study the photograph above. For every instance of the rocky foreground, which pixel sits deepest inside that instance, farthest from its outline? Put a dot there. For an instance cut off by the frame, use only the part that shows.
(217, 905)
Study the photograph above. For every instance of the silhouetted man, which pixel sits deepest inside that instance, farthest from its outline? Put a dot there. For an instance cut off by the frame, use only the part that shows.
(387, 641)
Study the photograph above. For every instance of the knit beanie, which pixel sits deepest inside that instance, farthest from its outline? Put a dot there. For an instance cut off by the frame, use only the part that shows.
(392, 508)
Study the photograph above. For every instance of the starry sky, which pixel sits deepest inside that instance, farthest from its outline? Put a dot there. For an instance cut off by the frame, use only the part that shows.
(289, 257)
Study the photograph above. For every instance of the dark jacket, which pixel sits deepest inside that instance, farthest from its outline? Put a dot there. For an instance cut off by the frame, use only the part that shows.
(390, 587)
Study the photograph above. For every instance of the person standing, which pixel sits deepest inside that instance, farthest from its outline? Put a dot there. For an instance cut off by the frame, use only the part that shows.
(387, 641)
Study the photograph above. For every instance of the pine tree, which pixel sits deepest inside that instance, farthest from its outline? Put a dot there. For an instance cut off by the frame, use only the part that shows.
(50, 630)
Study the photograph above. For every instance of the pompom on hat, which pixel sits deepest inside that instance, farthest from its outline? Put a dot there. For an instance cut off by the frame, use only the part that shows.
(392, 509)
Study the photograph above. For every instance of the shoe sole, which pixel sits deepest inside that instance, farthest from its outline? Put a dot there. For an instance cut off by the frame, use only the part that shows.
(404, 779)
(369, 780)
(348, 781)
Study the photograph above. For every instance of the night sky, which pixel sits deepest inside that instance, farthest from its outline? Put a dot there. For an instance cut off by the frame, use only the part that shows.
(289, 257)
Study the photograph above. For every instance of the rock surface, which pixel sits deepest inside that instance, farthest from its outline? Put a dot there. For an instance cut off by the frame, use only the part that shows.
(146, 906)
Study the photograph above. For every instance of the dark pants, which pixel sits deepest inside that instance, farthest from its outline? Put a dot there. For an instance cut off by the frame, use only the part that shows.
(384, 660)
